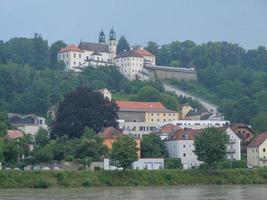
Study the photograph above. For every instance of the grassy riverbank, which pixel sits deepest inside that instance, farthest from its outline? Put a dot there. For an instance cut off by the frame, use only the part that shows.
(44, 179)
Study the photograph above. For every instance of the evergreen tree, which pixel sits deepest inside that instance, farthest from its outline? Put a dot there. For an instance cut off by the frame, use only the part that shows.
(123, 45)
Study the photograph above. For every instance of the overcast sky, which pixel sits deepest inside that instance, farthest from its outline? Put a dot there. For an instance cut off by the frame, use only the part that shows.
(163, 21)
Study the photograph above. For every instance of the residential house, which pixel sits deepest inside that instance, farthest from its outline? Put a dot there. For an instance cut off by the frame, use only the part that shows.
(29, 124)
(166, 130)
(181, 145)
(14, 134)
(132, 111)
(245, 133)
(257, 151)
(149, 58)
(111, 134)
(234, 146)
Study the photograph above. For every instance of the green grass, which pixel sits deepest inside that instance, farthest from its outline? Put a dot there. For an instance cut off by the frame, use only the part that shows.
(45, 179)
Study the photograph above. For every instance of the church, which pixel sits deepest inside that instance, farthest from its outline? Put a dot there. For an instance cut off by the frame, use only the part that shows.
(103, 53)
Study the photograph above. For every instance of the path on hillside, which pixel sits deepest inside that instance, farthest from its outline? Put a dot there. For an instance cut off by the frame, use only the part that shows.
(212, 108)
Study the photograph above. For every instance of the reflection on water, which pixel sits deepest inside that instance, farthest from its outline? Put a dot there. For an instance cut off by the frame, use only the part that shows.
(229, 192)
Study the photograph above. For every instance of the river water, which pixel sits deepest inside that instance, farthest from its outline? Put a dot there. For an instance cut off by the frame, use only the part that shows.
(221, 192)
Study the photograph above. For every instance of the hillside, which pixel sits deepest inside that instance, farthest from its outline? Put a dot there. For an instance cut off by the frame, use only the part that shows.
(233, 78)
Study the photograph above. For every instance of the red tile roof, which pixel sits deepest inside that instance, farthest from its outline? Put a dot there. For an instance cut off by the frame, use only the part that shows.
(169, 128)
(14, 134)
(185, 134)
(258, 140)
(70, 47)
(143, 52)
(110, 133)
(124, 105)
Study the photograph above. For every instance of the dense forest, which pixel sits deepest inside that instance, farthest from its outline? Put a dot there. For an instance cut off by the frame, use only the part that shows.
(232, 77)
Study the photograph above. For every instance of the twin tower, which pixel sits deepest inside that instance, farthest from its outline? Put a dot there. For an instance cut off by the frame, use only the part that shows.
(112, 43)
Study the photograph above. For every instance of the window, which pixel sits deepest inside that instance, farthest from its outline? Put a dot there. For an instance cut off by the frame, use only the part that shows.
(264, 150)
(184, 146)
(151, 114)
(80, 55)
(74, 63)
(63, 55)
(74, 55)
(58, 56)
(184, 155)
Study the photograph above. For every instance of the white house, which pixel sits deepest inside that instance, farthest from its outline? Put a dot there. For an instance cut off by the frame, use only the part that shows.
(90, 53)
(142, 163)
(234, 145)
(181, 145)
(130, 63)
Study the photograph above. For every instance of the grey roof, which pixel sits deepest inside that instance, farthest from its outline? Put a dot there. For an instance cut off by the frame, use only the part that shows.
(130, 53)
(90, 46)
(11, 115)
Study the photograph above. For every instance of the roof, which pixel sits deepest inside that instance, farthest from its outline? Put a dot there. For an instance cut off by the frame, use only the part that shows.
(110, 133)
(11, 115)
(141, 106)
(169, 128)
(185, 134)
(96, 53)
(14, 134)
(70, 47)
(258, 140)
(90, 46)
(143, 52)
(130, 53)
(236, 126)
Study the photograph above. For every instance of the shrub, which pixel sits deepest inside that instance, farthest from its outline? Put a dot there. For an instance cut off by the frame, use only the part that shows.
(173, 163)
(41, 184)
(87, 183)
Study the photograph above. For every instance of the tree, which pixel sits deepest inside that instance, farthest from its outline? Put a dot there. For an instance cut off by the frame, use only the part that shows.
(170, 101)
(148, 93)
(91, 146)
(173, 163)
(41, 138)
(83, 108)
(53, 51)
(210, 146)
(123, 45)
(124, 152)
(3, 124)
(152, 147)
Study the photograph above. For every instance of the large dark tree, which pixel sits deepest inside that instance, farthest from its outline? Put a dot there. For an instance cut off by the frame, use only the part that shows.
(53, 51)
(83, 108)
(153, 147)
(123, 45)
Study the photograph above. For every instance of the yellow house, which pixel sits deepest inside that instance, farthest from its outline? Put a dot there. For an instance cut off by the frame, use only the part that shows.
(184, 109)
(257, 151)
(111, 134)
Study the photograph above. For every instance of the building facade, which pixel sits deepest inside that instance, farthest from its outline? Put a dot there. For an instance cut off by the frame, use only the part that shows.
(257, 151)
(90, 53)
(151, 112)
(29, 124)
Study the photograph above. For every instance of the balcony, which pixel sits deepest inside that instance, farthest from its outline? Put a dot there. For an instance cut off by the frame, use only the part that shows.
(230, 151)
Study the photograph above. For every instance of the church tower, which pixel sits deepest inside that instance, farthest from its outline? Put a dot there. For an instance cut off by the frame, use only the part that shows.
(102, 37)
(112, 43)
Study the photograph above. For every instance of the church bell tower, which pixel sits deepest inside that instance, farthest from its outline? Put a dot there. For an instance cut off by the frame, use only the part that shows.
(112, 43)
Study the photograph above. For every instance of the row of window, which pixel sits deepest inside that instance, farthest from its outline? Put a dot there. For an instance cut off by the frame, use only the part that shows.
(164, 114)
(67, 55)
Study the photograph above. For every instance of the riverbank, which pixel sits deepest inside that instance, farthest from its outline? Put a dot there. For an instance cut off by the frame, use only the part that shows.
(45, 179)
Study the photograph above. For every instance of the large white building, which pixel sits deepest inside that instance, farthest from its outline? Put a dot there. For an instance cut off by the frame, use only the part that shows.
(89, 53)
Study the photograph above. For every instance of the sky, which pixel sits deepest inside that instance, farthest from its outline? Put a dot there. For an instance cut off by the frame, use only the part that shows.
(163, 21)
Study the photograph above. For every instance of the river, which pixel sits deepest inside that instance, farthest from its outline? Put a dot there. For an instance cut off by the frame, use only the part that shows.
(221, 192)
